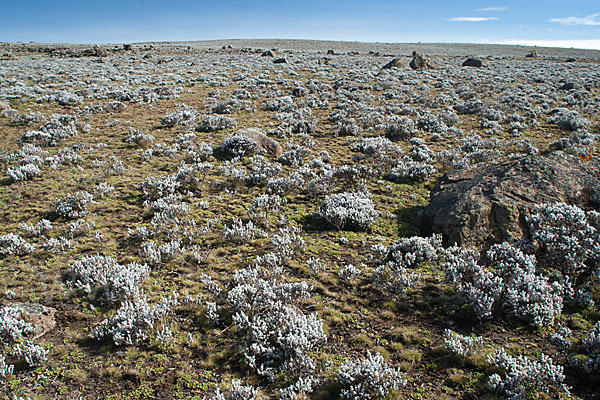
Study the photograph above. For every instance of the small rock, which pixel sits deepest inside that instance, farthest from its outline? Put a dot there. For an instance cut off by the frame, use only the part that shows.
(571, 59)
(330, 52)
(533, 54)
(268, 53)
(4, 105)
(394, 63)
(419, 63)
(39, 316)
(569, 86)
(281, 60)
(271, 146)
(472, 62)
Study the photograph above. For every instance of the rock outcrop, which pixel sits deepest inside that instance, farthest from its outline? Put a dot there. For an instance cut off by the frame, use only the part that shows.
(481, 206)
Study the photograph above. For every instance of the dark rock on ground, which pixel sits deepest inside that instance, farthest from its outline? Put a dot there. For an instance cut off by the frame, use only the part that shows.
(268, 53)
(39, 316)
(419, 63)
(533, 54)
(281, 60)
(394, 63)
(482, 206)
(569, 86)
(571, 59)
(472, 62)
(263, 142)
(330, 52)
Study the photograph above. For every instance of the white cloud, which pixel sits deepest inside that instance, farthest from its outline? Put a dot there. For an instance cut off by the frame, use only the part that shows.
(592, 19)
(492, 9)
(472, 19)
(590, 44)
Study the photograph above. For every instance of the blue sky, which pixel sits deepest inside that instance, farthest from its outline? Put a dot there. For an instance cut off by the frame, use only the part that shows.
(558, 23)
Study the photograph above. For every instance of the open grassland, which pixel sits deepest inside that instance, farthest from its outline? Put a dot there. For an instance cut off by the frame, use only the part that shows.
(272, 290)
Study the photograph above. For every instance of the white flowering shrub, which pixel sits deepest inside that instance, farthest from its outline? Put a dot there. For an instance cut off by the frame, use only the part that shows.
(349, 273)
(238, 145)
(292, 183)
(139, 138)
(74, 206)
(60, 127)
(277, 337)
(12, 326)
(14, 245)
(134, 320)
(264, 205)
(524, 377)
(391, 274)
(212, 123)
(287, 242)
(399, 128)
(236, 391)
(155, 188)
(37, 230)
(13, 330)
(349, 210)
(23, 172)
(567, 119)
(56, 245)
(569, 238)
(106, 279)
(239, 232)
(407, 170)
(461, 345)
(261, 171)
(368, 378)
(346, 127)
(561, 339)
(185, 116)
(591, 346)
(5, 368)
(509, 283)
(160, 254)
(33, 354)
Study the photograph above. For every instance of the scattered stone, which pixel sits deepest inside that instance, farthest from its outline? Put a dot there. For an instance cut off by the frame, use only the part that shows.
(571, 59)
(268, 53)
(419, 63)
(39, 316)
(271, 146)
(482, 206)
(472, 62)
(569, 86)
(281, 60)
(127, 47)
(330, 52)
(394, 63)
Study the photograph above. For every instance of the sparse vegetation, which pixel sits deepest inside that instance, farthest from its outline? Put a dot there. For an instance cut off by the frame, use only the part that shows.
(184, 259)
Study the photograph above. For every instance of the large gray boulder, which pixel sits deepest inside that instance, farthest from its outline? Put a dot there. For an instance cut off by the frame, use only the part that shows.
(472, 62)
(481, 206)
